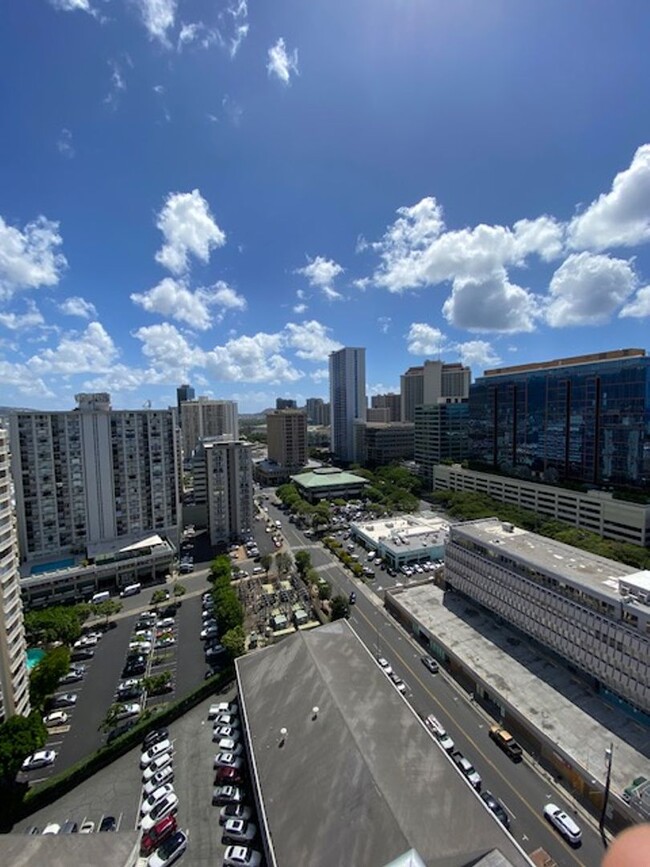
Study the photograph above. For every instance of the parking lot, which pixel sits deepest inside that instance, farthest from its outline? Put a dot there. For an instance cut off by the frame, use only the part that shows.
(117, 790)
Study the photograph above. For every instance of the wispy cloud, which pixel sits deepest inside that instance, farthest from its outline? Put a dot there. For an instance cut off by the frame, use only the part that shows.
(118, 85)
(64, 144)
(282, 64)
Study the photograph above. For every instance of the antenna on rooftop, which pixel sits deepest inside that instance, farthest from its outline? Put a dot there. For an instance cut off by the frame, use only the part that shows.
(146, 404)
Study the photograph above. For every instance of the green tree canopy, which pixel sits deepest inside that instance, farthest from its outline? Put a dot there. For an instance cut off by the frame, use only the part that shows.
(234, 641)
(324, 590)
(56, 623)
(221, 567)
(340, 608)
(303, 561)
(109, 607)
(44, 677)
(20, 736)
(179, 590)
(266, 561)
(283, 563)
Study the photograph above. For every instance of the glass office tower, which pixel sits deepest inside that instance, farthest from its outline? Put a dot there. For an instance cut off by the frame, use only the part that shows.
(583, 419)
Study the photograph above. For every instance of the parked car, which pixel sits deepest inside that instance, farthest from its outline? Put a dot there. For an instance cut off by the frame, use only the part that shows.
(153, 752)
(228, 760)
(161, 792)
(234, 811)
(228, 745)
(164, 807)
(157, 765)
(56, 718)
(52, 828)
(66, 699)
(154, 737)
(172, 848)
(127, 693)
(563, 823)
(108, 823)
(229, 732)
(69, 827)
(496, 808)
(239, 831)
(128, 710)
(385, 665)
(227, 795)
(214, 651)
(39, 759)
(222, 707)
(82, 653)
(431, 664)
(241, 856)
(226, 719)
(120, 730)
(209, 631)
(397, 680)
(155, 836)
(467, 769)
(87, 827)
(438, 729)
(166, 775)
(73, 676)
(228, 776)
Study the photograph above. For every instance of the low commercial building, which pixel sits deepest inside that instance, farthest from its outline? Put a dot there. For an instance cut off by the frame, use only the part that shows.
(379, 444)
(597, 511)
(328, 483)
(344, 772)
(106, 566)
(406, 539)
(559, 720)
(594, 613)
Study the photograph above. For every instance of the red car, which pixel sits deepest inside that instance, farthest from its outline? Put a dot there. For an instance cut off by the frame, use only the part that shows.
(160, 831)
(228, 776)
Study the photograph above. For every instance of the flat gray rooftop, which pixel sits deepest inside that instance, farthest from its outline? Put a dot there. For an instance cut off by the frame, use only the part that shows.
(543, 693)
(566, 562)
(63, 850)
(363, 782)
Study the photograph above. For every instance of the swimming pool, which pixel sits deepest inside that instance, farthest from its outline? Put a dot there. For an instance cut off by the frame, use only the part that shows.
(34, 656)
(52, 567)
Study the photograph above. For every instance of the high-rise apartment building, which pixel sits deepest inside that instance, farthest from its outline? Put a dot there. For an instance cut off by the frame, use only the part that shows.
(205, 418)
(285, 403)
(286, 437)
(347, 399)
(378, 414)
(429, 383)
(318, 412)
(390, 401)
(93, 475)
(583, 419)
(183, 393)
(14, 679)
(223, 482)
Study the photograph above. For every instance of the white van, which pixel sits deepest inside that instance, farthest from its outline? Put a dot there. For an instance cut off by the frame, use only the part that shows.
(131, 590)
(371, 556)
(100, 597)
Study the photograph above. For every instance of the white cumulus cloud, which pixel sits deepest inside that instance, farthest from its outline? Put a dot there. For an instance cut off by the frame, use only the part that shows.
(321, 273)
(639, 306)
(29, 258)
(20, 321)
(621, 217)
(76, 306)
(491, 303)
(423, 339)
(158, 16)
(91, 351)
(257, 358)
(173, 298)
(282, 64)
(310, 340)
(188, 228)
(587, 288)
(477, 354)
(71, 5)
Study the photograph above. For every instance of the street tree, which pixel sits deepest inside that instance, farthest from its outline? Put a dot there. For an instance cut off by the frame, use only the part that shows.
(220, 567)
(234, 640)
(340, 608)
(283, 563)
(106, 609)
(303, 562)
(266, 561)
(158, 597)
(179, 590)
(56, 623)
(44, 677)
(324, 590)
(19, 737)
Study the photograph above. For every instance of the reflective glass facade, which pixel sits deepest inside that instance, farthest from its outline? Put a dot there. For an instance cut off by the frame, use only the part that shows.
(586, 422)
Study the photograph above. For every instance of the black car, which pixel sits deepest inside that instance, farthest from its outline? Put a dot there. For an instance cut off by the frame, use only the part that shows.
(108, 823)
(496, 808)
(131, 669)
(127, 694)
(120, 730)
(154, 737)
(69, 827)
(353, 598)
(82, 653)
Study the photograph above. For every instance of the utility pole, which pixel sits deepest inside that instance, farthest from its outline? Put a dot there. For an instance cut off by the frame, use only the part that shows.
(601, 825)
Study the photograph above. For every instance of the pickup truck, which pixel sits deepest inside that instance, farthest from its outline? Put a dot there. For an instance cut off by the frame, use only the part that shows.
(507, 743)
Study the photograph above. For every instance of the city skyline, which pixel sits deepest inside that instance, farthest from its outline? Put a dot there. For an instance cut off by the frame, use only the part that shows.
(196, 193)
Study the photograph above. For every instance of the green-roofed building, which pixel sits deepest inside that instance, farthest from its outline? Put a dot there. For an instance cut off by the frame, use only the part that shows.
(327, 483)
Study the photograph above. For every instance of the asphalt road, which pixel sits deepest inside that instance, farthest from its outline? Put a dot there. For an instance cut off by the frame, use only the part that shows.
(522, 790)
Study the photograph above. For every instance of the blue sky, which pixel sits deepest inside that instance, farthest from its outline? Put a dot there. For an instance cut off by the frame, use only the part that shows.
(223, 192)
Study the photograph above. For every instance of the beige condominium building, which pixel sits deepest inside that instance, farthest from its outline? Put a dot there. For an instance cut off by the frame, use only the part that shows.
(223, 484)
(204, 418)
(286, 431)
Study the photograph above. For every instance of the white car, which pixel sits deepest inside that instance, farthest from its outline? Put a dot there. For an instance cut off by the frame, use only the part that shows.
(239, 831)
(87, 827)
(149, 803)
(56, 718)
(228, 745)
(142, 646)
(169, 851)
(157, 765)
(158, 779)
(39, 759)
(222, 707)
(226, 719)
(153, 752)
(165, 623)
(164, 807)
(384, 664)
(564, 824)
(52, 828)
(228, 760)
(66, 699)
(128, 710)
(225, 732)
(241, 856)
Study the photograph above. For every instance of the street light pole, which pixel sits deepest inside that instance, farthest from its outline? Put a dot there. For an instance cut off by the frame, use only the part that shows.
(601, 825)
